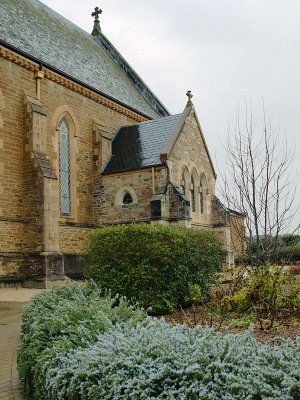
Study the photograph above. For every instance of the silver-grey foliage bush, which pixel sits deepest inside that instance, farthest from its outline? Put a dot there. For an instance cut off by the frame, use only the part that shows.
(79, 345)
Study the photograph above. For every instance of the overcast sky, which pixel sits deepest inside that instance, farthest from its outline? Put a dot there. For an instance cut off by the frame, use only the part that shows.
(223, 51)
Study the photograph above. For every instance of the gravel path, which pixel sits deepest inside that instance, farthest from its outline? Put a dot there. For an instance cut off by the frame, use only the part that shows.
(21, 295)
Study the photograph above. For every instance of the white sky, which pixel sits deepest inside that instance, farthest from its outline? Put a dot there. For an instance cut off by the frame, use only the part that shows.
(224, 51)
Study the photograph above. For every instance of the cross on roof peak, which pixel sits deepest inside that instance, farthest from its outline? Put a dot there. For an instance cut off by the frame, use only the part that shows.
(96, 13)
(189, 95)
(96, 28)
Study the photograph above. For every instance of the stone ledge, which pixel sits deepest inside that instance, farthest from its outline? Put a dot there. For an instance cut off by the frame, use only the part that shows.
(13, 219)
(78, 224)
(45, 165)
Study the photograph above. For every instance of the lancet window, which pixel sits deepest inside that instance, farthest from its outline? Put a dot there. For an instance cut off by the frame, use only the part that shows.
(183, 183)
(201, 198)
(193, 195)
(64, 168)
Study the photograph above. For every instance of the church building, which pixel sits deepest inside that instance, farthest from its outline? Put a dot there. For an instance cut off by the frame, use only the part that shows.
(84, 143)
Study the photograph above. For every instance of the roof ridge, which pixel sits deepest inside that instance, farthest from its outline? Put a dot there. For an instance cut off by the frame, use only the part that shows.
(123, 64)
(151, 120)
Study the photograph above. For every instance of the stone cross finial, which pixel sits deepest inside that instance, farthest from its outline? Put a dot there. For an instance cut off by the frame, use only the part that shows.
(189, 95)
(96, 29)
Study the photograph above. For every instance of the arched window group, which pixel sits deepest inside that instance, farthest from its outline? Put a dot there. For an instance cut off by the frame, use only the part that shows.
(194, 186)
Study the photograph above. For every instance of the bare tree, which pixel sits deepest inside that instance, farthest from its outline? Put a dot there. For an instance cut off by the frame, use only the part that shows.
(259, 180)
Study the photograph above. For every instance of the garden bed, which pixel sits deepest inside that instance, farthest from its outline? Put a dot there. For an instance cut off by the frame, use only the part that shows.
(77, 344)
(198, 315)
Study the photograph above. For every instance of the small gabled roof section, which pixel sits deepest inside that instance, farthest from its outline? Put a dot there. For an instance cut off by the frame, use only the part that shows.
(139, 146)
(37, 32)
(163, 190)
(177, 131)
(178, 191)
(229, 211)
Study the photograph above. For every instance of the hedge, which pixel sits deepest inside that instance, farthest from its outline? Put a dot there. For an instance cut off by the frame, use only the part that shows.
(77, 345)
(286, 250)
(153, 265)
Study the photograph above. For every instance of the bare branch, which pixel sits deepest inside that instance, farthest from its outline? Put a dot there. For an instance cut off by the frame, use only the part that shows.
(258, 181)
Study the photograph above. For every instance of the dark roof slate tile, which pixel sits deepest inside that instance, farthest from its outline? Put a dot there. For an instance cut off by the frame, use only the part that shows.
(139, 146)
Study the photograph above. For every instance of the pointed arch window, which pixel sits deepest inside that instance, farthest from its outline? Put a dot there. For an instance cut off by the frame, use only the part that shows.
(64, 168)
(183, 183)
(127, 199)
(193, 195)
(201, 198)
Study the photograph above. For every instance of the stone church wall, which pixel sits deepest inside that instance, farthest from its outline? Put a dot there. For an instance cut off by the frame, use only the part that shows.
(12, 221)
(109, 208)
(189, 154)
(35, 239)
(237, 234)
(31, 104)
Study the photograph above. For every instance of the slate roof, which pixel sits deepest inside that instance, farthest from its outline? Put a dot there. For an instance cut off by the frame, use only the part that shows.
(32, 28)
(229, 211)
(139, 146)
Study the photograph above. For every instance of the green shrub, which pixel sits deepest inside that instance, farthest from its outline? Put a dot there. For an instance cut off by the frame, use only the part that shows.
(288, 240)
(77, 345)
(268, 292)
(289, 254)
(284, 249)
(66, 318)
(153, 265)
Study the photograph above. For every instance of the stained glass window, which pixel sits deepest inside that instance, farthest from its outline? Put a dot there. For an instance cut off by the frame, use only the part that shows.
(64, 168)
(201, 198)
(193, 194)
